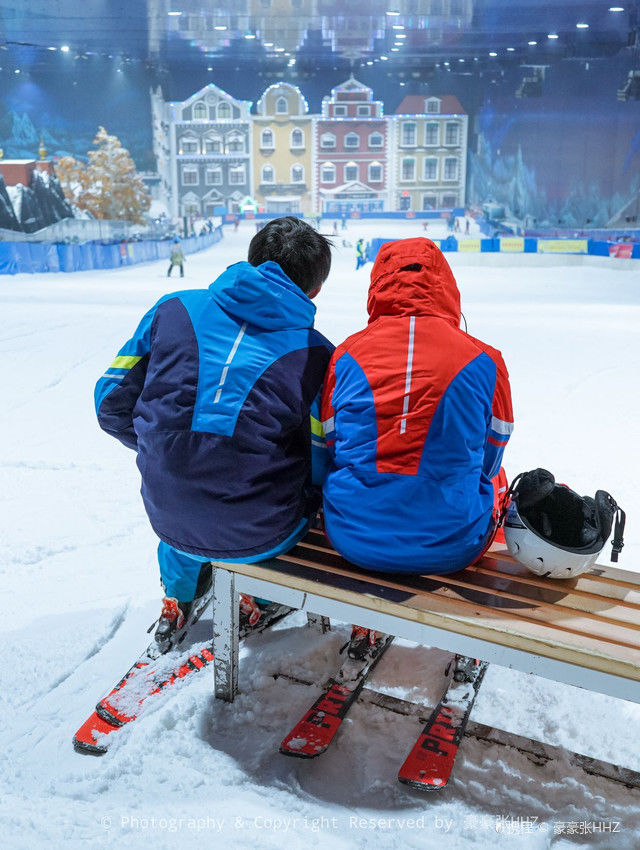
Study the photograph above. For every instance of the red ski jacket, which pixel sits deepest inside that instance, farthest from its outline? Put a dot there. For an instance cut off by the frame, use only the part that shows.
(417, 414)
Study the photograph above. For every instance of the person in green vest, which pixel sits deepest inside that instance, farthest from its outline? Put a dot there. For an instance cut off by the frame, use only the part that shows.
(176, 258)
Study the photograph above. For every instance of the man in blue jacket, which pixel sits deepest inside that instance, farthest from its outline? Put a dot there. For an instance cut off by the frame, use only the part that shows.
(218, 392)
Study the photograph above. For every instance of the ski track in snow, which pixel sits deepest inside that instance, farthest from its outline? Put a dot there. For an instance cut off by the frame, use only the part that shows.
(80, 587)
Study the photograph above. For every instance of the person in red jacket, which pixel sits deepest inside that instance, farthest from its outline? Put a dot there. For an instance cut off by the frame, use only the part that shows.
(417, 414)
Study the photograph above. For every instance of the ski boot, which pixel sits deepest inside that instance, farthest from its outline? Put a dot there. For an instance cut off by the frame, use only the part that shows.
(363, 643)
(172, 619)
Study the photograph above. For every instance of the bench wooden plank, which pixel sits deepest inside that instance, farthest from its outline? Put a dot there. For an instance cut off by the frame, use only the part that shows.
(557, 600)
(567, 622)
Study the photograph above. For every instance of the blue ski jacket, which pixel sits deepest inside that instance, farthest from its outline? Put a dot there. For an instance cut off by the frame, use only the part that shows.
(218, 391)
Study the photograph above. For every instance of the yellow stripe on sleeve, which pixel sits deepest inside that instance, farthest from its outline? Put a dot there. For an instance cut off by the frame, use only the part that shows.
(316, 427)
(124, 362)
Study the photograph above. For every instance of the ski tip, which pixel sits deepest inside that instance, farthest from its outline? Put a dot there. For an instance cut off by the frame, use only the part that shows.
(433, 784)
(286, 750)
(87, 749)
(86, 738)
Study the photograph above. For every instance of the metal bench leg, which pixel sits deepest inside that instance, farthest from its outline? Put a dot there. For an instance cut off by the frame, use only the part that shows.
(315, 621)
(225, 634)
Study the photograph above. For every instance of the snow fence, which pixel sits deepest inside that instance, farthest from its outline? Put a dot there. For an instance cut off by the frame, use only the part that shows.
(38, 257)
(527, 245)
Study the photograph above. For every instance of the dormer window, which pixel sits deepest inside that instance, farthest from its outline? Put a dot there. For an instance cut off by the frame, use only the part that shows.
(432, 105)
(282, 107)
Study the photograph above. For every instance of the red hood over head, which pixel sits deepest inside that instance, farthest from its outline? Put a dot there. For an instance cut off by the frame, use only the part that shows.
(429, 290)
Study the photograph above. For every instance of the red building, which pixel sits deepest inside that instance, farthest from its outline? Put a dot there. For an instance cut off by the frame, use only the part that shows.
(351, 144)
(17, 171)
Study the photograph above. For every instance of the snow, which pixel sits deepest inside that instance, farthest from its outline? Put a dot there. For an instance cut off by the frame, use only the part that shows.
(79, 588)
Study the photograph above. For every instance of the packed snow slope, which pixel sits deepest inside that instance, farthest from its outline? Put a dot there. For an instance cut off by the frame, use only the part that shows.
(80, 587)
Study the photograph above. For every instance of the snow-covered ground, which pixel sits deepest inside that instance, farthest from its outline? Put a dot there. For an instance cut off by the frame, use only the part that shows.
(79, 588)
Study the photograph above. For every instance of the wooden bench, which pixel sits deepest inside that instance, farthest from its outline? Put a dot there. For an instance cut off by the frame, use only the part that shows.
(583, 632)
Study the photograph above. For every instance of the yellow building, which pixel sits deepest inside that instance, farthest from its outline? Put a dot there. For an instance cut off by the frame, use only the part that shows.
(282, 151)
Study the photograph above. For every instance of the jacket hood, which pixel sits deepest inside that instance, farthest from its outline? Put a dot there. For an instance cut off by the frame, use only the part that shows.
(427, 289)
(264, 296)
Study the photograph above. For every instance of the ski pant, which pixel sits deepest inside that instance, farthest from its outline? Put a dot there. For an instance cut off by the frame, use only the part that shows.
(179, 571)
(179, 265)
(360, 261)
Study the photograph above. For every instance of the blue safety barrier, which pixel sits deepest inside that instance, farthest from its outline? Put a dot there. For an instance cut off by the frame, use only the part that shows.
(38, 257)
(530, 246)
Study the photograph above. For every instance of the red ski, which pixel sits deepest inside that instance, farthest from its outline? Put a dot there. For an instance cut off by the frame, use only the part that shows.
(429, 764)
(311, 736)
(146, 678)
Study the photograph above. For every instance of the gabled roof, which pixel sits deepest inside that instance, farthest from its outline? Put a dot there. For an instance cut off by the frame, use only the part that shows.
(414, 104)
(211, 87)
(352, 85)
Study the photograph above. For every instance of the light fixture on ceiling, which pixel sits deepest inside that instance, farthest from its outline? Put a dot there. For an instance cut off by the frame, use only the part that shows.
(582, 26)
(553, 36)
(532, 43)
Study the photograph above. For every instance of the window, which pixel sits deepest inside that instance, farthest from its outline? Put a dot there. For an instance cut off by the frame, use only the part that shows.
(224, 111)
(213, 176)
(266, 140)
(339, 111)
(451, 136)
(328, 173)
(429, 202)
(237, 175)
(199, 111)
(190, 175)
(282, 107)
(375, 172)
(376, 140)
(433, 104)
(297, 174)
(408, 168)
(188, 144)
(352, 140)
(213, 144)
(297, 138)
(450, 168)
(350, 172)
(268, 174)
(364, 110)
(327, 140)
(235, 143)
(408, 133)
(449, 201)
(431, 134)
(431, 169)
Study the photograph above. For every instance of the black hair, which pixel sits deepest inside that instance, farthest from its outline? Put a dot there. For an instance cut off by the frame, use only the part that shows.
(302, 253)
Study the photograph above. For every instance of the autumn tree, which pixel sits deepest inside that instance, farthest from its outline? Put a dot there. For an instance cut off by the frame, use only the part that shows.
(108, 186)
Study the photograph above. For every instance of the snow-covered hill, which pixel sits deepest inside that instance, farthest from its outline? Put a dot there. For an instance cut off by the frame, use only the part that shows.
(79, 588)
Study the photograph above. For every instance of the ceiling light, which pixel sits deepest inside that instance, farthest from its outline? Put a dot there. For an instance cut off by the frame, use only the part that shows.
(384, 58)
(52, 48)
(401, 35)
(582, 26)
(267, 43)
(493, 53)
(174, 14)
(394, 50)
(398, 26)
(460, 60)
(220, 27)
(614, 9)
(17, 71)
(510, 49)
(552, 35)
(209, 68)
(249, 35)
(532, 43)
(393, 13)
(65, 48)
(279, 49)
(446, 64)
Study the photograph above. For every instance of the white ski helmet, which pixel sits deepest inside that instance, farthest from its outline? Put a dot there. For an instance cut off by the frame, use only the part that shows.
(555, 532)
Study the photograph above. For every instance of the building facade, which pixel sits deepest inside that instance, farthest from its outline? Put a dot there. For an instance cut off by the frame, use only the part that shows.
(208, 142)
(350, 146)
(429, 153)
(283, 151)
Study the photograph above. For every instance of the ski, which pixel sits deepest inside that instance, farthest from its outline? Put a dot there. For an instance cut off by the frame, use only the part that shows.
(150, 675)
(429, 764)
(311, 736)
